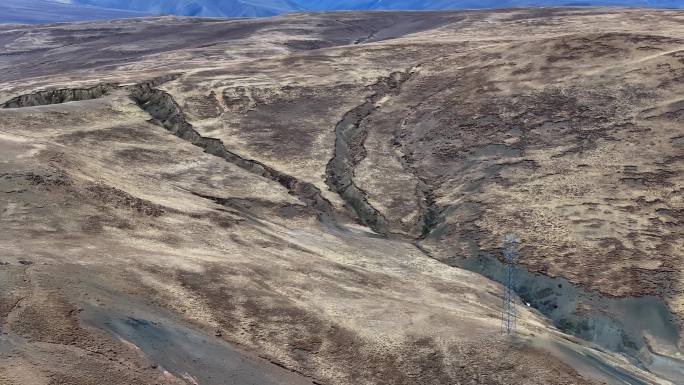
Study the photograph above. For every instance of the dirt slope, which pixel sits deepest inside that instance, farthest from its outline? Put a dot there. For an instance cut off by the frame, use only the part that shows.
(328, 193)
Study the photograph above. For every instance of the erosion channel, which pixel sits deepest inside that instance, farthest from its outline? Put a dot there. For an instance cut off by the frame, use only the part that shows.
(642, 329)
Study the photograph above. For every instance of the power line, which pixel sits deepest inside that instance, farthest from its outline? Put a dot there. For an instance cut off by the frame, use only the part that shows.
(509, 313)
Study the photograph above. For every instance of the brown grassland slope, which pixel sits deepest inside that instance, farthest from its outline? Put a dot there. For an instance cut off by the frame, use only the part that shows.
(321, 198)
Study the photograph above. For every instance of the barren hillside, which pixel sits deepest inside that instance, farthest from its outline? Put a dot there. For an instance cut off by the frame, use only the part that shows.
(322, 198)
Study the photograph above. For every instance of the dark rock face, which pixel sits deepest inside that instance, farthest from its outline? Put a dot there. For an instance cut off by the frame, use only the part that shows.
(42, 98)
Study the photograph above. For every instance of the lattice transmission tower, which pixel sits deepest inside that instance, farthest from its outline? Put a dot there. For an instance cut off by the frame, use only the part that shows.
(509, 313)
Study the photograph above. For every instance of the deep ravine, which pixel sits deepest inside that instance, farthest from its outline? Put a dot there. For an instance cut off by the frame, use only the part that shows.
(168, 114)
(58, 96)
(622, 325)
(64, 95)
(349, 151)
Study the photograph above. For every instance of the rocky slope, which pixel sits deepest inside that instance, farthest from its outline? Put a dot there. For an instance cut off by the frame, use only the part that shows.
(323, 198)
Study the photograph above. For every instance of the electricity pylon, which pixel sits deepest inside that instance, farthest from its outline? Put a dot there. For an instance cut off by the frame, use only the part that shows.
(508, 311)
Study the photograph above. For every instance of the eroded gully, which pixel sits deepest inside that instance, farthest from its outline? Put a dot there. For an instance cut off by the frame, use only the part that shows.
(618, 324)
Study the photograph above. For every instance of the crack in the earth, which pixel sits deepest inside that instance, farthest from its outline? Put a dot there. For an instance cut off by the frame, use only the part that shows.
(349, 151)
(551, 296)
(65, 95)
(168, 114)
(429, 210)
(58, 96)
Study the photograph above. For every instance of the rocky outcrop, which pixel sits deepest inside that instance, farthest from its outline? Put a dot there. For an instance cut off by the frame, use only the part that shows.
(64, 95)
(57, 96)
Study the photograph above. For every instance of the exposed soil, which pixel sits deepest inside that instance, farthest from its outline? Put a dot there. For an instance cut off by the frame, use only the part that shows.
(321, 198)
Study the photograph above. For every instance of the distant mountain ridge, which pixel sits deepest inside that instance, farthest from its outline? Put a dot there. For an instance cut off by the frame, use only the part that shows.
(227, 8)
(208, 8)
(50, 11)
(44, 11)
